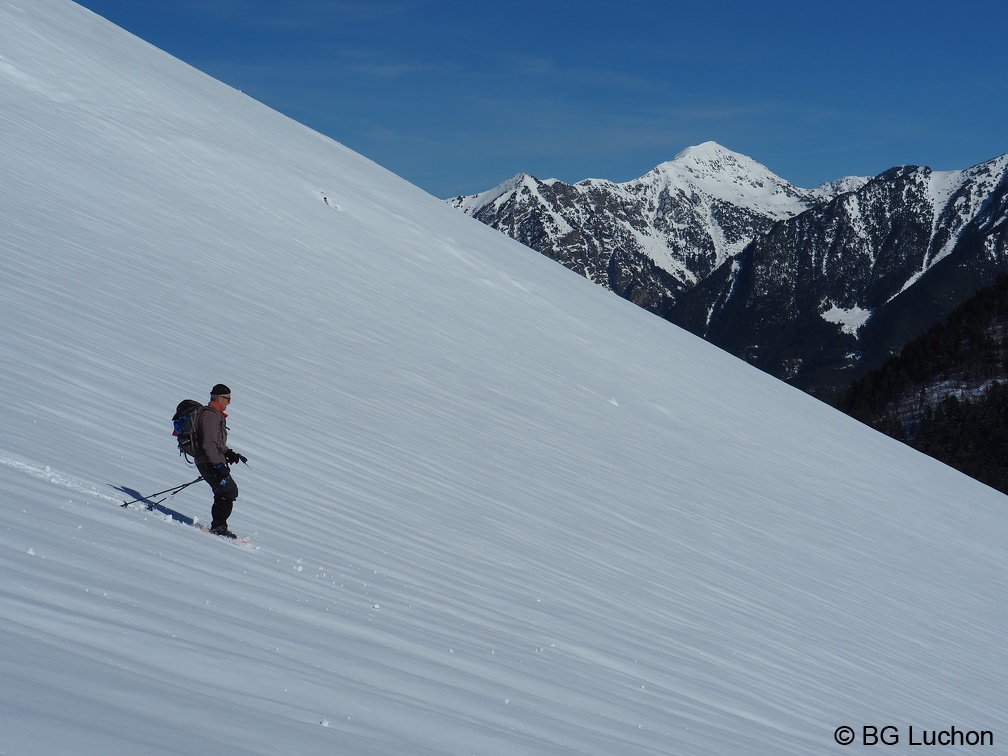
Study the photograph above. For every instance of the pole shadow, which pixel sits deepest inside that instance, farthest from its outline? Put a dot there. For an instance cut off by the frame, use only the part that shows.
(156, 506)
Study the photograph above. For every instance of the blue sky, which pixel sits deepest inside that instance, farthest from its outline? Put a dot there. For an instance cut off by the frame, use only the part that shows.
(457, 97)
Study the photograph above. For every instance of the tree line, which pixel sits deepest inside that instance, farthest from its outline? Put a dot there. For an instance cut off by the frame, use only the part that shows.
(946, 393)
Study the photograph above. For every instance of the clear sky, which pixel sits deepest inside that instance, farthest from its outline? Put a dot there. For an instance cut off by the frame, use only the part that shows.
(456, 97)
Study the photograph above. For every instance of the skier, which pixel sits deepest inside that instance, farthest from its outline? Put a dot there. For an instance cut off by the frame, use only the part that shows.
(214, 458)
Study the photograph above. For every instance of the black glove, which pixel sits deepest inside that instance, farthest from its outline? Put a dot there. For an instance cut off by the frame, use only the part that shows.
(233, 457)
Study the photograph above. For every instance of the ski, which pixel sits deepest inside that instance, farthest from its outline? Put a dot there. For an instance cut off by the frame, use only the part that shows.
(235, 539)
(146, 506)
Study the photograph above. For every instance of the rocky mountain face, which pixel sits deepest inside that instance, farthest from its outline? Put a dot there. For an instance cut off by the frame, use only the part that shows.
(825, 296)
(814, 286)
(652, 239)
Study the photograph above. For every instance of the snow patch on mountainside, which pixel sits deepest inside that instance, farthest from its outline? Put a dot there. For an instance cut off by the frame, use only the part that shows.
(961, 195)
(850, 319)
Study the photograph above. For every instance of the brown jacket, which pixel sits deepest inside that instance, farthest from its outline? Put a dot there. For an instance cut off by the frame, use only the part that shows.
(213, 434)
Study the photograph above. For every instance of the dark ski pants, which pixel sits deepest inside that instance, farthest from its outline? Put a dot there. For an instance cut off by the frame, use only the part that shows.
(225, 491)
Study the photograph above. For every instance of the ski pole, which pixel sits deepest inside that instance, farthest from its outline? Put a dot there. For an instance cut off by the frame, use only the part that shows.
(170, 491)
(152, 504)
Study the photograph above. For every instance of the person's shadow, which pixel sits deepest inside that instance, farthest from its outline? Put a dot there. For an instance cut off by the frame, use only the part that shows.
(155, 506)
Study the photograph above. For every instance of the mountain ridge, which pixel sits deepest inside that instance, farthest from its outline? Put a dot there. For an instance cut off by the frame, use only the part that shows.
(650, 239)
(822, 270)
(886, 261)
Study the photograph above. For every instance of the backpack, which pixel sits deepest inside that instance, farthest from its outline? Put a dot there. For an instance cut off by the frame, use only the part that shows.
(186, 424)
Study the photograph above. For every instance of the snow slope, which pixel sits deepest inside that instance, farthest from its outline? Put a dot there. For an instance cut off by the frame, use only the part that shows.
(492, 508)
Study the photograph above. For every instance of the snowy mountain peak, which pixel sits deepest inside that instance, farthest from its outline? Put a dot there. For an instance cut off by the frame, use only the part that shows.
(654, 237)
(705, 152)
(523, 184)
(711, 157)
(733, 177)
(844, 185)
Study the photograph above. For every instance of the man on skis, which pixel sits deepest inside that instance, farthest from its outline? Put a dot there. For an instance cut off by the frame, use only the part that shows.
(214, 458)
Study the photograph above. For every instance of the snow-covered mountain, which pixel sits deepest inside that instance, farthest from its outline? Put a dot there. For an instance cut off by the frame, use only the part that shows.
(814, 286)
(651, 239)
(829, 294)
(492, 508)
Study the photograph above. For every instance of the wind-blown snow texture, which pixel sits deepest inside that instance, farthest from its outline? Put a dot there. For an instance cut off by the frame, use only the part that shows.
(492, 508)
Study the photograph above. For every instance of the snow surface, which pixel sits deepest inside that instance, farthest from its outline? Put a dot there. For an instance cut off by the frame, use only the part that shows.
(492, 508)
